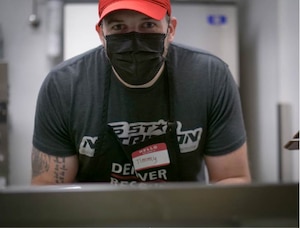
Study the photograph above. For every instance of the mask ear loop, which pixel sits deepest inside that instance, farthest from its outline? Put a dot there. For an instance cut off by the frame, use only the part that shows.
(165, 51)
(169, 24)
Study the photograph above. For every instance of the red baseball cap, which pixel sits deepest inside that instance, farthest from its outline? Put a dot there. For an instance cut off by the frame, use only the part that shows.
(155, 9)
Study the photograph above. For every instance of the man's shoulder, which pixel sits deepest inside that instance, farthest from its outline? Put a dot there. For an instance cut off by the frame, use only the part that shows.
(83, 60)
(78, 69)
(178, 50)
(180, 47)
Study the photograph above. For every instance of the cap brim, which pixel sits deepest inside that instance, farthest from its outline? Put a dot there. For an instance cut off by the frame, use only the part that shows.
(150, 9)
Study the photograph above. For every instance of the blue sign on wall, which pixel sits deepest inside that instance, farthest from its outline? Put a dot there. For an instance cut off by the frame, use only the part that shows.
(216, 19)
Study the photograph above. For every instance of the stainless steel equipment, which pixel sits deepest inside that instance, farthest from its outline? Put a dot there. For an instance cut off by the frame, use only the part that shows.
(177, 204)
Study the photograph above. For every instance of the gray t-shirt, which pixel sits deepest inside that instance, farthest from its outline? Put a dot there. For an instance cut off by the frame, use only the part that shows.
(205, 98)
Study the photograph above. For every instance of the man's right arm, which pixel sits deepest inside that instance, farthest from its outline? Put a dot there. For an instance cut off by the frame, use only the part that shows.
(49, 170)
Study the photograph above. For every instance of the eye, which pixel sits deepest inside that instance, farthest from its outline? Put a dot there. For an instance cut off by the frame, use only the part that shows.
(118, 27)
(148, 25)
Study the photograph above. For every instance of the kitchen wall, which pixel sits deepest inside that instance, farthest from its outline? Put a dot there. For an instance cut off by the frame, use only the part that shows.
(269, 75)
(25, 52)
(269, 47)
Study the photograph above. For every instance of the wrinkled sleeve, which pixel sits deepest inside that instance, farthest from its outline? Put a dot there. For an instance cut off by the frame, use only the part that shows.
(51, 127)
(226, 130)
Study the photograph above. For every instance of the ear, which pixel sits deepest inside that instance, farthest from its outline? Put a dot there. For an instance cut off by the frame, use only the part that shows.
(100, 33)
(172, 29)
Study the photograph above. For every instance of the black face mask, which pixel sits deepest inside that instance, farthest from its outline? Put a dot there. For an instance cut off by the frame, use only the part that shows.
(136, 57)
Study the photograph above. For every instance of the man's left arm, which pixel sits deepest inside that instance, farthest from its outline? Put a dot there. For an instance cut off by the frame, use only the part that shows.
(231, 168)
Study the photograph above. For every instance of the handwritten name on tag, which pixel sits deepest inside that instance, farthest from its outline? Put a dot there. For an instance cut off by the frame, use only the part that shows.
(151, 156)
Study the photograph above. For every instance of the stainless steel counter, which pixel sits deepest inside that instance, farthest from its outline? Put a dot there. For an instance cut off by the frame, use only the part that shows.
(178, 204)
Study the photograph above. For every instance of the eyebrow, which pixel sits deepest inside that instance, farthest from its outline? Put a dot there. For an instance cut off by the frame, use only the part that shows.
(113, 19)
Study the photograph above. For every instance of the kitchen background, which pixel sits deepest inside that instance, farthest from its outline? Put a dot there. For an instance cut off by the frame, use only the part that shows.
(258, 38)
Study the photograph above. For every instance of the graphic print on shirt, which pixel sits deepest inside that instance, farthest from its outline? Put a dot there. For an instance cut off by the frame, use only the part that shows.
(131, 133)
(155, 155)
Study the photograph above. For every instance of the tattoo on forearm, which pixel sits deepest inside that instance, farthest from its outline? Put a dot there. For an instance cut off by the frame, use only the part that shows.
(60, 169)
(40, 162)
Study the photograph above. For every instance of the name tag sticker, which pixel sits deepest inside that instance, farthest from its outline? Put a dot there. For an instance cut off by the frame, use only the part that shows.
(152, 156)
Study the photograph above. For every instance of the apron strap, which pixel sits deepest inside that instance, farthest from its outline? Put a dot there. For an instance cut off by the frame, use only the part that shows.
(105, 103)
(170, 90)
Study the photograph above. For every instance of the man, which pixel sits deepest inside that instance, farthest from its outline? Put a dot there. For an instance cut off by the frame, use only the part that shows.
(139, 108)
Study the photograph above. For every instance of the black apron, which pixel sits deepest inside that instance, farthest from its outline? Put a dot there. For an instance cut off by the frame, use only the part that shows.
(153, 160)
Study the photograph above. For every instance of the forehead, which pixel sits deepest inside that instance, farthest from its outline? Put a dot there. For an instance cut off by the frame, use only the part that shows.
(126, 14)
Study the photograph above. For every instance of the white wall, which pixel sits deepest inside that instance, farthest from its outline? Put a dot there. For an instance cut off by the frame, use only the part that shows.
(269, 36)
(289, 82)
(25, 51)
(269, 74)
